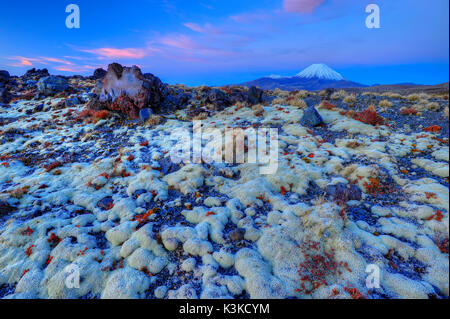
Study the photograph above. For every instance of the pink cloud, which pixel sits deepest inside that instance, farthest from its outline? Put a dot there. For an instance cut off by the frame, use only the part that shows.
(179, 41)
(301, 6)
(114, 53)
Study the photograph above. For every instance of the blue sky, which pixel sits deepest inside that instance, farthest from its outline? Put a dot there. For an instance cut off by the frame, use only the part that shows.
(219, 42)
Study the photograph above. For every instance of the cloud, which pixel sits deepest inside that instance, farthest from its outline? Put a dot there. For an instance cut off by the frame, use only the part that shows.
(205, 29)
(301, 6)
(114, 53)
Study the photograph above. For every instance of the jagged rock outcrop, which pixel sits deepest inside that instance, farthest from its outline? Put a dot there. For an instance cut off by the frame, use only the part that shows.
(35, 74)
(127, 90)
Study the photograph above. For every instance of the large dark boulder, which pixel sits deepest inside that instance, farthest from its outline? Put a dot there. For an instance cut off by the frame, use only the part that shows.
(254, 95)
(5, 96)
(311, 117)
(99, 74)
(215, 99)
(4, 76)
(52, 85)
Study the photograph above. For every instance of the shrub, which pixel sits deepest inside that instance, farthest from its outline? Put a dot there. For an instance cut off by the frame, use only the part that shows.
(341, 94)
(349, 99)
(413, 97)
(326, 105)
(101, 115)
(408, 111)
(385, 103)
(369, 116)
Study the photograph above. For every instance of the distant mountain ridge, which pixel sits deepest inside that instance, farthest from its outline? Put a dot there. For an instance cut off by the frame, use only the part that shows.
(315, 77)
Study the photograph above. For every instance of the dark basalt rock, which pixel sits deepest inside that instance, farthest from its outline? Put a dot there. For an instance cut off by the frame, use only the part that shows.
(344, 192)
(237, 234)
(5, 208)
(5, 96)
(105, 203)
(255, 95)
(99, 74)
(311, 117)
(4, 76)
(52, 85)
(35, 74)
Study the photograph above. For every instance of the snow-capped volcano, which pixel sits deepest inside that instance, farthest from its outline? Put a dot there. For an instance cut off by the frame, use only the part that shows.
(320, 71)
(315, 77)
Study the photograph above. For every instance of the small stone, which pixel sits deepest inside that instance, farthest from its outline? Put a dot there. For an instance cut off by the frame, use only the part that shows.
(311, 117)
(144, 114)
(105, 203)
(72, 101)
(5, 208)
(344, 192)
(237, 234)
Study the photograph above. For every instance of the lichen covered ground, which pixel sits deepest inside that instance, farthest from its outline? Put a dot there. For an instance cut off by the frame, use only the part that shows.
(104, 196)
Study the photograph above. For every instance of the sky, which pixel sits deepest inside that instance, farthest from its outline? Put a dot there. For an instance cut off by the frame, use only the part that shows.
(220, 42)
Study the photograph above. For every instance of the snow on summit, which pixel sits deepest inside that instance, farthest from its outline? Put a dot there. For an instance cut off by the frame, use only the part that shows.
(321, 71)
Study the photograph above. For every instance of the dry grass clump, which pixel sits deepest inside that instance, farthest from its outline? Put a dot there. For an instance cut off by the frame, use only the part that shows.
(409, 111)
(280, 100)
(325, 105)
(302, 94)
(370, 94)
(432, 106)
(392, 95)
(239, 105)
(349, 99)
(323, 93)
(258, 109)
(341, 94)
(290, 100)
(300, 103)
(413, 97)
(154, 120)
(280, 93)
(385, 104)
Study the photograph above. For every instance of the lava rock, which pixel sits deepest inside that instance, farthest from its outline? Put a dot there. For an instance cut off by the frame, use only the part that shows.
(72, 101)
(168, 166)
(4, 76)
(106, 203)
(35, 75)
(5, 208)
(99, 74)
(344, 192)
(311, 117)
(5, 96)
(237, 234)
(215, 99)
(254, 95)
(144, 114)
(39, 108)
(52, 85)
